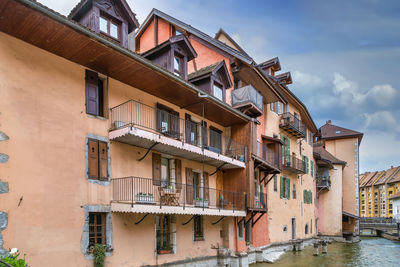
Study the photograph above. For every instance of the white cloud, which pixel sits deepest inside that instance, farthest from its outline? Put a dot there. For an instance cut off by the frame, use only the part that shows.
(382, 121)
(306, 79)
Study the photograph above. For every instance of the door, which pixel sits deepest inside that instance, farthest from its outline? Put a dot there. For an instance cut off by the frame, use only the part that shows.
(293, 228)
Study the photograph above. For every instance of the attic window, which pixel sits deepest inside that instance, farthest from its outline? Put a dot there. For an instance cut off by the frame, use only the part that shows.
(338, 132)
(177, 66)
(218, 91)
(109, 27)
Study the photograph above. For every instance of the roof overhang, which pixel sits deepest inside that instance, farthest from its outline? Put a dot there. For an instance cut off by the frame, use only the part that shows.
(37, 25)
(351, 215)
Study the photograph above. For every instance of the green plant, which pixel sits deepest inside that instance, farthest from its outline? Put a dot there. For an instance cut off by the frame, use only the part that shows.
(12, 259)
(99, 253)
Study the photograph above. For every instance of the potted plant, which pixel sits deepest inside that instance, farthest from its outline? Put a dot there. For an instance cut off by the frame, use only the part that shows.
(201, 202)
(165, 250)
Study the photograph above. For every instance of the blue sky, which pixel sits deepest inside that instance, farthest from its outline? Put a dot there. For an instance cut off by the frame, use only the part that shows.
(343, 55)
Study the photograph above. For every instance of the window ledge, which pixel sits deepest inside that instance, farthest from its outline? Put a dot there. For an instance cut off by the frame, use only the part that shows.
(96, 117)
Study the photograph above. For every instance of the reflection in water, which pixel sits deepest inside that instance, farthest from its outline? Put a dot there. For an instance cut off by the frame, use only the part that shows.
(377, 252)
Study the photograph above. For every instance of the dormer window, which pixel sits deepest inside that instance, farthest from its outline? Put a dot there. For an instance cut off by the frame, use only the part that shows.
(178, 65)
(218, 91)
(109, 27)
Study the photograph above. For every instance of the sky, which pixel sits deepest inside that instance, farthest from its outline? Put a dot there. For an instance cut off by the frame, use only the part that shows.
(343, 56)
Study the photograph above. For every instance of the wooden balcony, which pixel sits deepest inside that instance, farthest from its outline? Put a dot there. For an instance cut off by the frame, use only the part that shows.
(248, 100)
(267, 159)
(292, 125)
(323, 182)
(148, 127)
(294, 165)
(145, 195)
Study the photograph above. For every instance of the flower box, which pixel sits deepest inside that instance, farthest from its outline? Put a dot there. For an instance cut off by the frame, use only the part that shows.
(164, 251)
(201, 203)
(145, 199)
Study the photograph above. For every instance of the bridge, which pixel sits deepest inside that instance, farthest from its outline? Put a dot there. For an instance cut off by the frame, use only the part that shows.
(384, 227)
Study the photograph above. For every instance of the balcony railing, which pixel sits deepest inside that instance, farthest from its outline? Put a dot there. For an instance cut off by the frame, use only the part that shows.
(137, 190)
(292, 125)
(323, 182)
(133, 113)
(249, 100)
(271, 157)
(293, 164)
(259, 202)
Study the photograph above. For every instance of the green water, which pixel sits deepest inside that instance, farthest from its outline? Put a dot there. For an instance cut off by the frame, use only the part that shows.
(376, 252)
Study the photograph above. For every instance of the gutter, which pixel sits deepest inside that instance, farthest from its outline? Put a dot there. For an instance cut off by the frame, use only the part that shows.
(80, 29)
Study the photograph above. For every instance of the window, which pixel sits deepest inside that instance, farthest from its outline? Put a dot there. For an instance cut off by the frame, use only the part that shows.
(97, 228)
(294, 191)
(178, 66)
(165, 171)
(192, 131)
(163, 233)
(198, 228)
(109, 27)
(240, 230)
(275, 183)
(306, 229)
(97, 159)
(215, 140)
(248, 232)
(218, 91)
(278, 107)
(95, 94)
(168, 121)
(285, 187)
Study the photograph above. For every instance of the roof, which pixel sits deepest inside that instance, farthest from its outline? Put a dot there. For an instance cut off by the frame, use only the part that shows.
(204, 70)
(271, 62)
(367, 178)
(222, 32)
(388, 175)
(123, 4)
(212, 69)
(155, 12)
(321, 153)
(397, 195)
(21, 18)
(285, 78)
(351, 215)
(395, 176)
(330, 131)
(181, 39)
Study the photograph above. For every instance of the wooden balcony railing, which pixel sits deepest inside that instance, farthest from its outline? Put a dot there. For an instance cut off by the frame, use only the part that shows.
(137, 190)
(293, 164)
(292, 125)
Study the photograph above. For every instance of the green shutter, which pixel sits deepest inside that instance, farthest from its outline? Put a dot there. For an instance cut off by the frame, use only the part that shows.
(312, 168)
(288, 148)
(283, 148)
(282, 187)
(307, 163)
(288, 188)
(304, 196)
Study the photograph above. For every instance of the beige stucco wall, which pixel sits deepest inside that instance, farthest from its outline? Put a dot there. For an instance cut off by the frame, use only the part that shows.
(281, 211)
(42, 100)
(329, 204)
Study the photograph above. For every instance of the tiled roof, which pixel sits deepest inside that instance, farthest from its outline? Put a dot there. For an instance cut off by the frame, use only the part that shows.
(321, 152)
(395, 176)
(330, 131)
(203, 71)
(367, 177)
(388, 175)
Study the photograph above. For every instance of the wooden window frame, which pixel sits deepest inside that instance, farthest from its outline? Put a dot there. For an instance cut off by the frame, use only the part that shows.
(98, 177)
(101, 93)
(109, 21)
(181, 72)
(240, 227)
(160, 241)
(220, 86)
(95, 225)
(219, 132)
(198, 228)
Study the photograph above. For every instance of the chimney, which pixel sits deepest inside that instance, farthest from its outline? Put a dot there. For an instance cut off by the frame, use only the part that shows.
(329, 122)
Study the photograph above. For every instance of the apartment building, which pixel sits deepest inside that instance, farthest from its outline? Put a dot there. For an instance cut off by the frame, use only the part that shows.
(344, 144)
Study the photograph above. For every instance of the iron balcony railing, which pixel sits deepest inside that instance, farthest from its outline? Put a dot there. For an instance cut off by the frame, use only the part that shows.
(258, 202)
(245, 95)
(269, 155)
(137, 190)
(293, 125)
(133, 113)
(293, 164)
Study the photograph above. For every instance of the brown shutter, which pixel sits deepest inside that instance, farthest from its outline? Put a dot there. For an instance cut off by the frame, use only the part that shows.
(206, 186)
(189, 186)
(103, 155)
(204, 133)
(92, 93)
(188, 128)
(178, 173)
(93, 154)
(156, 169)
(175, 124)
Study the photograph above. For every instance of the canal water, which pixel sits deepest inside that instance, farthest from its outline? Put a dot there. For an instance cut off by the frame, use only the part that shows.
(370, 251)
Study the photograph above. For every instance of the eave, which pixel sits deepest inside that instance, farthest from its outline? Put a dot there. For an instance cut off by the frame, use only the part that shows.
(39, 26)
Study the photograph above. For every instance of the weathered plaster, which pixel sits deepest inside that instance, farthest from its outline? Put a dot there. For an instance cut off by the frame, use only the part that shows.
(85, 234)
(3, 136)
(103, 139)
(3, 187)
(3, 225)
(3, 158)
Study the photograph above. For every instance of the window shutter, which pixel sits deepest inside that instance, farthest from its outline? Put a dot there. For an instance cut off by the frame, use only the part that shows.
(156, 169)
(307, 162)
(310, 197)
(288, 188)
(206, 186)
(312, 168)
(282, 187)
(174, 117)
(92, 92)
(283, 148)
(93, 159)
(189, 186)
(204, 133)
(178, 173)
(188, 128)
(103, 155)
(159, 117)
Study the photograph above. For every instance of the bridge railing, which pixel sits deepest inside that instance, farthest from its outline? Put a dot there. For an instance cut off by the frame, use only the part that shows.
(378, 220)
